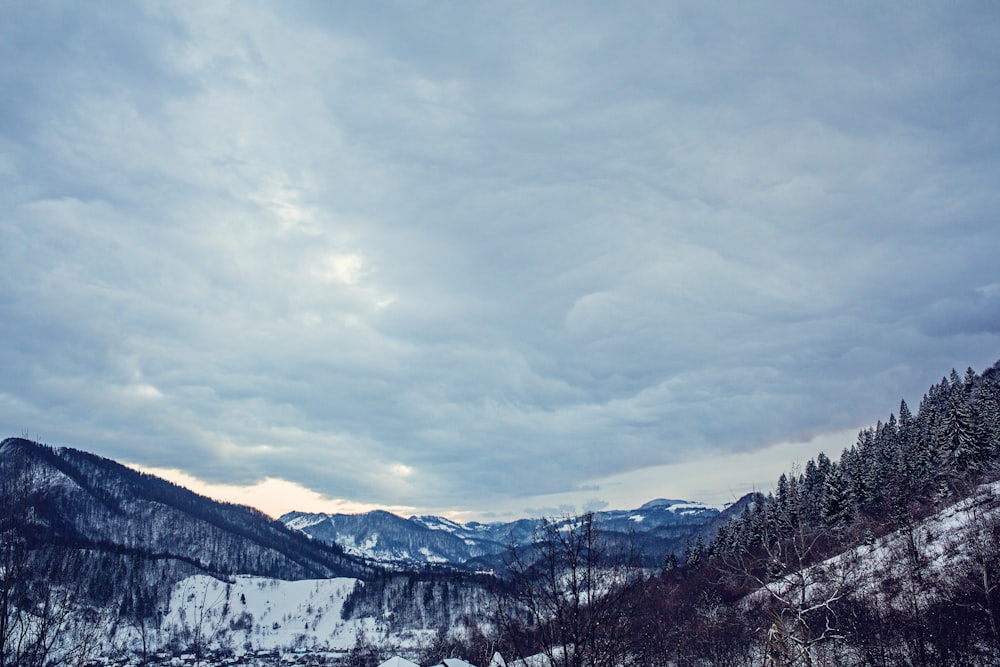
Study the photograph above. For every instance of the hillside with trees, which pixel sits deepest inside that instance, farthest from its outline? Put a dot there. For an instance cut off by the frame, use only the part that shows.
(83, 529)
(889, 555)
(897, 471)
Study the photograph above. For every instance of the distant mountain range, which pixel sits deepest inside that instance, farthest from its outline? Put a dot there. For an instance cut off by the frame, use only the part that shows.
(655, 529)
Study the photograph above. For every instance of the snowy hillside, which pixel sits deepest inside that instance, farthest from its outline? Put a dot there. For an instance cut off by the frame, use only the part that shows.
(933, 550)
(924, 589)
(249, 615)
(256, 613)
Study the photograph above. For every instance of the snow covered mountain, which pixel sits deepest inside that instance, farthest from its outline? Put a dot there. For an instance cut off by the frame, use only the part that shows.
(385, 537)
(123, 525)
(133, 564)
(658, 527)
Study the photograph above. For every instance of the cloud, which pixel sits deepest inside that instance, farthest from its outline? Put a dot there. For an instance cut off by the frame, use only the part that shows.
(274, 497)
(594, 505)
(470, 257)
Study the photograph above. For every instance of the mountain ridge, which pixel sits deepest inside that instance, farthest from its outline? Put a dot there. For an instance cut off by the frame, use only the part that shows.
(84, 500)
(657, 527)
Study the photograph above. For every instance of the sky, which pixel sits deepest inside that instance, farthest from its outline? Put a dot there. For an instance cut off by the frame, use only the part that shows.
(490, 259)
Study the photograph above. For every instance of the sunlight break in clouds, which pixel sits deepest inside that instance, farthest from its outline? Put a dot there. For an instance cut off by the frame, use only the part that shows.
(345, 269)
(271, 496)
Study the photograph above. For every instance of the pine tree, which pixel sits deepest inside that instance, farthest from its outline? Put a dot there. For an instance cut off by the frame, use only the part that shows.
(959, 429)
(812, 492)
(670, 562)
(836, 500)
(694, 551)
(782, 502)
(989, 411)
(905, 424)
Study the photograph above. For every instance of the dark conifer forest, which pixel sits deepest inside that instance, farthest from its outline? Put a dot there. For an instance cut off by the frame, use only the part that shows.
(898, 470)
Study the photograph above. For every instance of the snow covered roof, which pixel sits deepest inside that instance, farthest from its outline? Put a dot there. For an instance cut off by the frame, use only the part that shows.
(396, 661)
(455, 662)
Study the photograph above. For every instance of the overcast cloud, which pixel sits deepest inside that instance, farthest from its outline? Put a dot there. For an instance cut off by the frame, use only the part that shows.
(470, 256)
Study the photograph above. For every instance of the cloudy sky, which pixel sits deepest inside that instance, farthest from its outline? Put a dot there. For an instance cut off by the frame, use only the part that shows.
(490, 259)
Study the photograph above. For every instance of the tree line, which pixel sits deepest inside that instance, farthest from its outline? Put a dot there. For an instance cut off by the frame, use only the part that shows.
(897, 471)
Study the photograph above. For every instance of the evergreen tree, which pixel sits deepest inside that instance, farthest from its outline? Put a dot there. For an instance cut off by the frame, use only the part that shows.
(812, 492)
(959, 430)
(988, 413)
(694, 551)
(782, 502)
(904, 431)
(836, 500)
(670, 562)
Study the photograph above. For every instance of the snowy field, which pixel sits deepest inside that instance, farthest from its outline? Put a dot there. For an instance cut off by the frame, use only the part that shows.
(249, 615)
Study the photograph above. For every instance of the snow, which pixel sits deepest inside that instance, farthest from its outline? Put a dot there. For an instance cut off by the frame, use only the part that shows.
(690, 508)
(680, 506)
(943, 538)
(252, 614)
(305, 521)
(275, 615)
(943, 541)
(455, 662)
(396, 661)
(438, 523)
(539, 659)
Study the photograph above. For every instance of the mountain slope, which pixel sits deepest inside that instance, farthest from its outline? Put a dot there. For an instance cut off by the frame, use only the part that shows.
(90, 503)
(385, 537)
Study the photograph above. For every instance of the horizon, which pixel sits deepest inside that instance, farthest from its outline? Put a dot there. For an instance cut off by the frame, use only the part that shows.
(490, 260)
(276, 497)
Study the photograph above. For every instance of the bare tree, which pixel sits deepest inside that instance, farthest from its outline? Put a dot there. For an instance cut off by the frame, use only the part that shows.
(984, 562)
(914, 587)
(203, 613)
(970, 587)
(567, 597)
(43, 622)
(798, 595)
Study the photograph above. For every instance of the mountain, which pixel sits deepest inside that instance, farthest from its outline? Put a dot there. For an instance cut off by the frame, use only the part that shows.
(98, 506)
(382, 536)
(656, 528)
